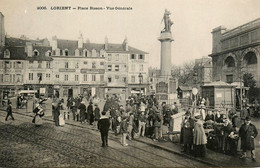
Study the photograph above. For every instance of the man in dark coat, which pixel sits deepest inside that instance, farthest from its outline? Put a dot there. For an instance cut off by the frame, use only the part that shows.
(96, 115)
(9, 111)
(90, 115)
(57, 113)
(187, 132)
(103, 126)
(82, 111)
(248, 133)
(243, 114)
(157, 124)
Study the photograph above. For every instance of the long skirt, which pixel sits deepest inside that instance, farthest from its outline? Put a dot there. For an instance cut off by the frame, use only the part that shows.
(199, 150)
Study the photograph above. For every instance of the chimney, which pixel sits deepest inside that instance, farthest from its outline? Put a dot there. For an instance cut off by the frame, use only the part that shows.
(125, 44)
(46, 42)
(2, 30)
(54, 43)
(106, 43)
(29, 49)
(80, 41)
(216, 37)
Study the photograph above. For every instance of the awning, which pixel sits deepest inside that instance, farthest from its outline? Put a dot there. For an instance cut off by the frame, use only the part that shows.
(27, 91)
(136, 92)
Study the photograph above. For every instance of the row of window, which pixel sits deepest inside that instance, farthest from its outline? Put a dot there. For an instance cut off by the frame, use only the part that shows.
(39, 76)
(140, 56)
(132, 56)
(116, 67)
(84, 53)
(9, 64)
(249, 59)
(18, 64)
(116, 79)
(133, 67)
(94, 64)
(11, 78)
(85, 77)
(123, 79)
(48, 64)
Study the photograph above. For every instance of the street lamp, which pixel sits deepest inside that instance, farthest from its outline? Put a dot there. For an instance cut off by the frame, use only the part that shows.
(140, 76)
(195, 89)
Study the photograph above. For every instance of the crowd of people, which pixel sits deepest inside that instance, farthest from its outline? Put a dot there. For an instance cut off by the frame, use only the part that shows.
(141, 116)
(219, 130)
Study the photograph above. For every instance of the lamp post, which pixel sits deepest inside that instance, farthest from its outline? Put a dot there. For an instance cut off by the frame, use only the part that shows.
(195, 76)
(140, 76)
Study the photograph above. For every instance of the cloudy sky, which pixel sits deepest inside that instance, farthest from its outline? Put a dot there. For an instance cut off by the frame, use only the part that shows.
(193, 22)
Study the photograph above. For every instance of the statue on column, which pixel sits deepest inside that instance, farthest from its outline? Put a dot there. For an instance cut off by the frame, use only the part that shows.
(167, 21)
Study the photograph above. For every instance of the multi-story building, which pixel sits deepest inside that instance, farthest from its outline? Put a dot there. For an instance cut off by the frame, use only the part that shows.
(39, 66)
(138, 76)
(236, 52)
(116, 69)
(2, 29)
(154, 75)
(71, 67)
(17, 57)
(203, 71)
(12, 67)
(79, 67)
(96, 69)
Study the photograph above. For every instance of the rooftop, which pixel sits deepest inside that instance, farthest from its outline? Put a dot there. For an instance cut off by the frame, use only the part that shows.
(72, 45)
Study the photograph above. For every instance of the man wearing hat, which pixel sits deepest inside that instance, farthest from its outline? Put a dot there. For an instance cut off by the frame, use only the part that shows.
(96, 115)
(90, 115)
(9, 111)
(248, 133)
(157, 118)
(103, 126)
(187, 132)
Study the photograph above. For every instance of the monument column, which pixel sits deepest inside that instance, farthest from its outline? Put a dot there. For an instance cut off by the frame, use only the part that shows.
(165, 39)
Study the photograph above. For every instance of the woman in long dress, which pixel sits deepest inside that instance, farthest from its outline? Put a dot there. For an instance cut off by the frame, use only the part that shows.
(199, 139)
(57, 114)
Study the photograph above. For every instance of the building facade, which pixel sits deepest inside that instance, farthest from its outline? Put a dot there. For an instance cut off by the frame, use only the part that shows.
(79, 67)
(236, 52)
(202, 72)
(70, 67)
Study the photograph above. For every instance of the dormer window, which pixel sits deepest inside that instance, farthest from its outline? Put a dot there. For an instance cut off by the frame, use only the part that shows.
(48, 53)
(102, 53)
(7, 54)
(76, 52)
(94, 53)
(141, 56)
(132, 56)
(66, 52)
(85, 52)
(36, 53)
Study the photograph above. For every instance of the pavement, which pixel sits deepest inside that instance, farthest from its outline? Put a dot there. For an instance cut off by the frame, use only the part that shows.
(212, 158)
(22, 144)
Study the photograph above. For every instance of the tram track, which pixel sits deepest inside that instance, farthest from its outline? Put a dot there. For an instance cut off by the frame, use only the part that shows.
(80, 133)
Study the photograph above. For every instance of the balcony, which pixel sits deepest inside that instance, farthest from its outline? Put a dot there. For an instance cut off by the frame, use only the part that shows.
(66, 70)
